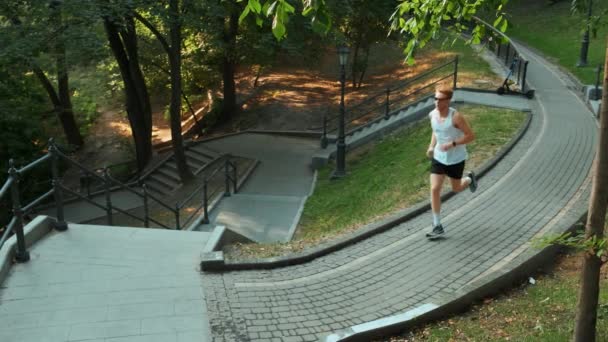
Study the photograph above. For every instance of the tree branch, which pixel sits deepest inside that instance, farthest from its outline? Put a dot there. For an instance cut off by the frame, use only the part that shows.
(154, 31)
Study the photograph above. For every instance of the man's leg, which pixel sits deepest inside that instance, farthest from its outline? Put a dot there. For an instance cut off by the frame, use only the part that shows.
(436, 185)
(459, 184)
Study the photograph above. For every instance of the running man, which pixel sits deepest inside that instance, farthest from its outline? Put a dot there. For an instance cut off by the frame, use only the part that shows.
(448, 153)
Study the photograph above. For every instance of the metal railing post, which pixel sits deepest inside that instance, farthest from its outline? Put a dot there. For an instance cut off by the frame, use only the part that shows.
(21, 254)
(387, 104)
(205, 204)
(455, 72)
(519, 71)
(523, 81)
(177, 224)
(507, 54)
(498, 45)
(146, 210)
(60, 223)
(106, 183)
(324, 136)
(227, 181)
(234, 175)
(596, 94)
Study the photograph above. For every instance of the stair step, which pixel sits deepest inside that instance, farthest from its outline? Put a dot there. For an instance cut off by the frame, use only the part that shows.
(194, 164)
(199, 149)
(198, 157)
(161, 178)
(157, 188)
(168, 172)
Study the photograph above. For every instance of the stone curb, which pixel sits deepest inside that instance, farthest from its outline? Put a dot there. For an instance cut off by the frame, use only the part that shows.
(525, 264)
(33, 231)
(220, 265)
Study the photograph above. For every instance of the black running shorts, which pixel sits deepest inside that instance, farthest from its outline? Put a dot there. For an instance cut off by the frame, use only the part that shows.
(453, 171)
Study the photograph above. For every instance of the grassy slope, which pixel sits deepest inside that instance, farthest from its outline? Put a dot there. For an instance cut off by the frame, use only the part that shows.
(540, 312)
(557, 33)
(394, 173)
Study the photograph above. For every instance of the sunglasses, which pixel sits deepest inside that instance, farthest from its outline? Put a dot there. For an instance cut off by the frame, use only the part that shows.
(441, 99)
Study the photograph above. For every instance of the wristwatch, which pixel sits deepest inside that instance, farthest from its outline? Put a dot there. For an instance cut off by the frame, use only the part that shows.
(454, 143)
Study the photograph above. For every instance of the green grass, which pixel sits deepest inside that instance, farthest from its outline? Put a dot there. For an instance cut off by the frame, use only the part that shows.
(557, 33)
(541, 312)
(394, 173)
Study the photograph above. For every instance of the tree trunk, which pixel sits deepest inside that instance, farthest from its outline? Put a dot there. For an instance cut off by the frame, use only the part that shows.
(355, 63)
(65, 111)
(176, 89)
(586, 314)
(364, 68)
(139, 114)
(228, 64)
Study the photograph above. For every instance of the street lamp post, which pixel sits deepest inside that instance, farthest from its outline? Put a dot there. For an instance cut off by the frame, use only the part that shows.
(582, 59)
(343, 52)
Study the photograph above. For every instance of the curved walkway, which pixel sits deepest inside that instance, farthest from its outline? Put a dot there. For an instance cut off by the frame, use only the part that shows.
(541, 185)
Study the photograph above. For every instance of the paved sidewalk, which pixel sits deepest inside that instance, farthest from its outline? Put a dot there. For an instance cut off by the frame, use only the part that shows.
(541, 183)
(100, 283)
(268, 207)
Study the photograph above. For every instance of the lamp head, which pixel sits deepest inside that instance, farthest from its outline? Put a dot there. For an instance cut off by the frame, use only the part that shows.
(343, 52)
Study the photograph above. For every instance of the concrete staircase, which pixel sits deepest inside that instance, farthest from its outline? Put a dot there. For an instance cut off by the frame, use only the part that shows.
(374, 128)
(165, 178)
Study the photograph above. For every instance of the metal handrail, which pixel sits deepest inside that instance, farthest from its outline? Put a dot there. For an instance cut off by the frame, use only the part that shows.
(28, 208)
(7, 185)
(8, 231)
(516, 54)
(204, 187)
(34, 163)
(385, 105)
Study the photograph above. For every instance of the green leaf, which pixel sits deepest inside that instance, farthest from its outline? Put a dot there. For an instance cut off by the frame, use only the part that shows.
(259, 21)
(278, 29)
(497, 21)
(504, 25)
(255, 6)
(288, 8)
(244, 14)
(271, 8)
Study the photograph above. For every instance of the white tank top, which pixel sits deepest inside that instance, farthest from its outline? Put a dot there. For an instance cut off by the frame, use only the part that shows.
(445, 132)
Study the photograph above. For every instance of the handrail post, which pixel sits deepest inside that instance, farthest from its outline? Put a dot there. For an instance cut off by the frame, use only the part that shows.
(596, 94)
(455, 72)
(205, 204)
(146, 210)
(519, 71)
(523, 81)
(324, 136)
(106, 183)
(60, 224)
(387, 103)
(177, 225)
(227, 181)
(507, 53)
(234, 175)
(498, 46)
(21, 254)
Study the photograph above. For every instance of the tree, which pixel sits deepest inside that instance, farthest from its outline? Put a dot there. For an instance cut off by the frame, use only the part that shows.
(39, 26)
(362, 23)
(122, 37)
(173, 49)
(586, 308)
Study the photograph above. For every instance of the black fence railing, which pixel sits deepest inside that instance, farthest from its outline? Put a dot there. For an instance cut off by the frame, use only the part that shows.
(392, 100)
(508, 54)
(183, 212)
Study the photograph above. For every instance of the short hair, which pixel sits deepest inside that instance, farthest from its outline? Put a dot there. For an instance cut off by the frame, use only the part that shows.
(445, 90)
